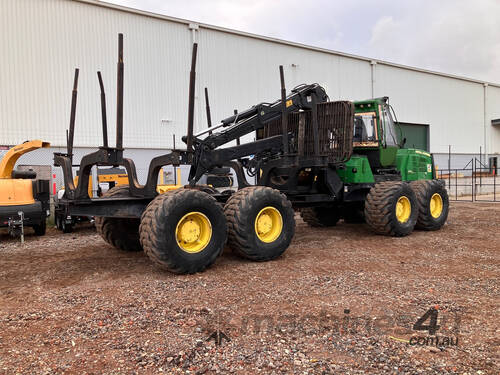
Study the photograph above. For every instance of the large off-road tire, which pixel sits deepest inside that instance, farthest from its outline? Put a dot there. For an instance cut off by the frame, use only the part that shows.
(391, 208)
(184, 230)
(41, 228)
(260, 221)
(121, 233)
(320, 216)
(433, 203)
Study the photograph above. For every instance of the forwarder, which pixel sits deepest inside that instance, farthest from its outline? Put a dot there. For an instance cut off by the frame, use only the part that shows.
(308, 155)
(371, 176)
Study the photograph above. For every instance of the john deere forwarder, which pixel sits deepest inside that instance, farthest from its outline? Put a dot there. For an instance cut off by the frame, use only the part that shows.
(326, 159)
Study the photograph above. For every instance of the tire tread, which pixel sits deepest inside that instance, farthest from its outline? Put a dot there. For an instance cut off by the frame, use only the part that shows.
(236, 209)
(152, 236)
(120, 233)
(378, 208)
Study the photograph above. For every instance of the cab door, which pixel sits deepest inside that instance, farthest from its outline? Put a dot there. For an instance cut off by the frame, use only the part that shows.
(389, 140)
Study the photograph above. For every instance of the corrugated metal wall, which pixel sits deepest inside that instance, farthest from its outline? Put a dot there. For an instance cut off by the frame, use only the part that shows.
(240, 72)
(42, 41)
(493, 112)
(453, 108)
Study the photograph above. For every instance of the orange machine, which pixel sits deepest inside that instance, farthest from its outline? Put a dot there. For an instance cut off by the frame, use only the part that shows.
(21, 192)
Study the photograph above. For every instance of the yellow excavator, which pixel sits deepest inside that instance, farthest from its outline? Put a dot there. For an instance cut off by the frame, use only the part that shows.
(24, 200)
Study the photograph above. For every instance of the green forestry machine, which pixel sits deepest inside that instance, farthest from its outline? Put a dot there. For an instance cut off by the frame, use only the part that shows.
(327, 159)
(381, 170)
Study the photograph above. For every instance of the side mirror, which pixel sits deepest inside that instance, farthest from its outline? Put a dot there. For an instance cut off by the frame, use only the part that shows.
(403, 142)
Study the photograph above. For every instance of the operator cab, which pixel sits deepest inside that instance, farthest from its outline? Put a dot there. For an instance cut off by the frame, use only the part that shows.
(366, 126)
(375, 132)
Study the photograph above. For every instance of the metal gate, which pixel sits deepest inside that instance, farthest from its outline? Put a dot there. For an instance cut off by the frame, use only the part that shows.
(475, 182)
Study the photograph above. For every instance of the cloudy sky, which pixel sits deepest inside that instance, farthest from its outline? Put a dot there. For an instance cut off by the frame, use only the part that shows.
(454, 36)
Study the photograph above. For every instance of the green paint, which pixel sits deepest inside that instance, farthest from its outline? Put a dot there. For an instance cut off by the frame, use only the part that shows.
(388, 156)
(414, 164)
(388, 133)
(357, 170)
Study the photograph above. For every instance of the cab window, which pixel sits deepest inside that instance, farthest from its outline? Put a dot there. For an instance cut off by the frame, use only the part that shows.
(365, 128)
(391, 137)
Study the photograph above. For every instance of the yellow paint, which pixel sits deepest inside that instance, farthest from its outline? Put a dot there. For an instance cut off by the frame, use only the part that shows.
(193, 232)
(422, 153)
(122, 179)
(119, 179)
(289, 103)
(16, 192)
(403, 209)
(10, 158)
(268, 224)
(89, 190)
(179, 176)
(164, 188)
(436, 205)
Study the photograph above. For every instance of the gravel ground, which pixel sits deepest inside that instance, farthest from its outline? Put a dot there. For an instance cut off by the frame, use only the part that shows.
(340, 300)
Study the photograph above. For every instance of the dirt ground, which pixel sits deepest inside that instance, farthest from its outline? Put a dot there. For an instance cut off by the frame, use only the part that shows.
(340, 300)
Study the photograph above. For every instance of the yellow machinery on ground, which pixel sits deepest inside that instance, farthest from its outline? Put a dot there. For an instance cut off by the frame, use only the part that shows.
(117, 176)
(24, 200)
(107, 176)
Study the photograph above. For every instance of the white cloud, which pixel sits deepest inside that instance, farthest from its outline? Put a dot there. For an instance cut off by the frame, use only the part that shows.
(460, 37)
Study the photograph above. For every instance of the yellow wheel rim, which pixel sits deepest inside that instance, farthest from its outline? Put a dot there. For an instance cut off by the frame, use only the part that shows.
(436, 205)
(268, 224)
(193, 232)
(403, 209)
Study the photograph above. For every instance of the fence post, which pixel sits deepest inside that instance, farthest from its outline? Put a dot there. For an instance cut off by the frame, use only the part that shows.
(449, 180)
(480, 165)
(494, 187)
(449, 158)
(474, 179)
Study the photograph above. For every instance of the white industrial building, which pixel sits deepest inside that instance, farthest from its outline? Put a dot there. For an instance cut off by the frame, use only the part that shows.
(43, 41)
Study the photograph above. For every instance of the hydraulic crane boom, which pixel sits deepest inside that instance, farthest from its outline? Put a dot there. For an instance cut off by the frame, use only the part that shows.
(302, 97)
(256, 117)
